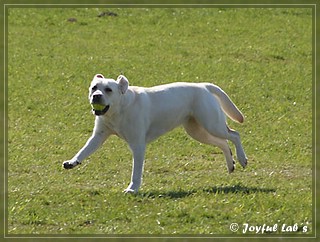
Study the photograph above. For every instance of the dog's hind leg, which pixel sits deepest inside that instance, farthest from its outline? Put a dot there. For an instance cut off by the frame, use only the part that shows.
(210, 117)
(224, 132)
(200, 134)
(235, 138)
(214, 123)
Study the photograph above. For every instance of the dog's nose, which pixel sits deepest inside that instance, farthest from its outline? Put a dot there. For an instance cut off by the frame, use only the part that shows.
(96, 98)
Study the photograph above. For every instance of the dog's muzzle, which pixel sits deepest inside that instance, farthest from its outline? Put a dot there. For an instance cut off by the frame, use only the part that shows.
(101, 112)
(97, 99)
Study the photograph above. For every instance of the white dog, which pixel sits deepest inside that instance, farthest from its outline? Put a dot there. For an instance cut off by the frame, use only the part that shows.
(139, 115)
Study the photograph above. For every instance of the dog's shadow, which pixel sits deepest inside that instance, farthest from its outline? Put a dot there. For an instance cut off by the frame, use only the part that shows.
(214, 190)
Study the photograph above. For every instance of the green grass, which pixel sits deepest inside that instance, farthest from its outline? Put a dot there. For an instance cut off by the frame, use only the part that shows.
(261, 57)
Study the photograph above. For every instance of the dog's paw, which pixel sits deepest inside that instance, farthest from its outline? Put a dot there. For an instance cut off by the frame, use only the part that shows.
(128, 190)
(231, 165)
(243, 161)
(69, 164)
(231, 169)
(132, 188)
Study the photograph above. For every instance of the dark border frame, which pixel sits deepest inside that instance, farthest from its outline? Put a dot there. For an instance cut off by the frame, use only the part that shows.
(144, 3)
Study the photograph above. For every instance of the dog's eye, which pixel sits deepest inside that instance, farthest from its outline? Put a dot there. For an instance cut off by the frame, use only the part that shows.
(94, 88)
(108, 89)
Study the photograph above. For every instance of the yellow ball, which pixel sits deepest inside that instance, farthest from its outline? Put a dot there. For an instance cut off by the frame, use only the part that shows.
(97, 107)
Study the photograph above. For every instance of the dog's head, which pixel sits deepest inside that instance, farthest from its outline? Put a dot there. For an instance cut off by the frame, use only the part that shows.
(104, 93)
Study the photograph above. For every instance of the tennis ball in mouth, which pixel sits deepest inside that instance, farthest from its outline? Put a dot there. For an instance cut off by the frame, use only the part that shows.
(97, 106)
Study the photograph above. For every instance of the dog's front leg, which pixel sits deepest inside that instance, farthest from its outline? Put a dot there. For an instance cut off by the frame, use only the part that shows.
(137, 168)
(93, 143)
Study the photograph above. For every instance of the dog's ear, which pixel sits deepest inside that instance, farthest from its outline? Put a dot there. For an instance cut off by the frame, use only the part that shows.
(98, 76)
(123, 84)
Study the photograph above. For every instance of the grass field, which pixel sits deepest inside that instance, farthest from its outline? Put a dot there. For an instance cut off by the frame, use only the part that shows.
(261, 57)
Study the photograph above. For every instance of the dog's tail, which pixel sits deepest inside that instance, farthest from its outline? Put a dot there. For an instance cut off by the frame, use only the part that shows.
(227, 105)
